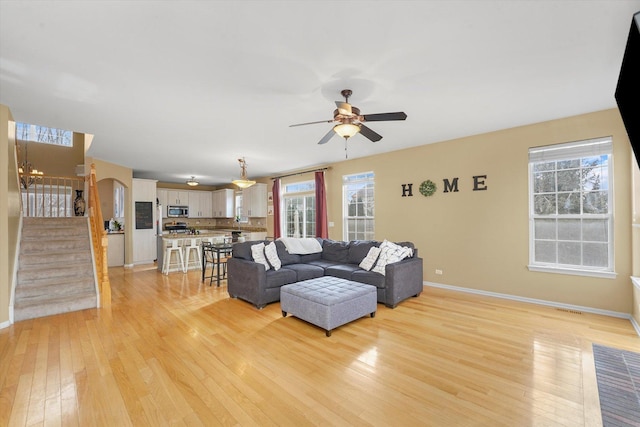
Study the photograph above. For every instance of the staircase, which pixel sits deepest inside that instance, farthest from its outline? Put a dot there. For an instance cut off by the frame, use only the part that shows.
(55, 268)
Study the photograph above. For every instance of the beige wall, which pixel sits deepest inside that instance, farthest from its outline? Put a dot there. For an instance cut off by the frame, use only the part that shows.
(55, 160)
(109, 172)
(10, 210)
(480, 239)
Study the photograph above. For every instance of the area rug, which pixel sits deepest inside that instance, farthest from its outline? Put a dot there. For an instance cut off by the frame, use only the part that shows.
(618, 376)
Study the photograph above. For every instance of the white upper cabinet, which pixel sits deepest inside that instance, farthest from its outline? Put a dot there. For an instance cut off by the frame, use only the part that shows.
(200, 204)
(161, 194)
(178, 197)
(223, 203)
(254, 201)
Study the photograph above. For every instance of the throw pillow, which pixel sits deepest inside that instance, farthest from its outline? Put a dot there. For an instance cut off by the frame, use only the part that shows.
(257, 251)
(370, 259)
(272, 256)
(390, 253)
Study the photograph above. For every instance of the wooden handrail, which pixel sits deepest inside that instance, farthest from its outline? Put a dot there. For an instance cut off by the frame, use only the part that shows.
(100, 240)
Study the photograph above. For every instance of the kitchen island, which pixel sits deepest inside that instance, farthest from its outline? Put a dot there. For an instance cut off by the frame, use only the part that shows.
(216, 234)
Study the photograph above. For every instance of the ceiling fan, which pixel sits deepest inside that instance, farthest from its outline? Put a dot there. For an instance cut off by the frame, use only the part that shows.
(349, 121)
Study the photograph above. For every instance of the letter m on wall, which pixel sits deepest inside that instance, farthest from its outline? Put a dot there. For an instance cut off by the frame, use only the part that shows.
(450, 186)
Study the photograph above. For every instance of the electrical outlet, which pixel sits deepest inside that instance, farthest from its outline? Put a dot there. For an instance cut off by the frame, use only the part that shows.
(439, 272)
(331, 224)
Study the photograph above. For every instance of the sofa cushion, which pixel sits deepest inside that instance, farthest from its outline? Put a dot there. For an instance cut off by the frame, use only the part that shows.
(335, 251)
(323, 263)
(343, 271)
(369, 277)
(310, 257)
(284, 276)
(306, 271)
(285, 257)
(243, 250)
(358, 250)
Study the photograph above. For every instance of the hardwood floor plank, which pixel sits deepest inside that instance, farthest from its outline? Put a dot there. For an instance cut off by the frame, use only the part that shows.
(174, 351)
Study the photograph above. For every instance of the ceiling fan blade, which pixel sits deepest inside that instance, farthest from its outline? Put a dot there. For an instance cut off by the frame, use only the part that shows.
(370, 134)
(344, 108)
(327, 137)
(381, 117)
(311, 123)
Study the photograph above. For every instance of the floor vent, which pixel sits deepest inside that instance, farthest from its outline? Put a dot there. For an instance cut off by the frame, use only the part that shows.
(569, 311)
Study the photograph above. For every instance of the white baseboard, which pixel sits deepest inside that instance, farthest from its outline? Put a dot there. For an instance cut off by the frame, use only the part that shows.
(540, 302)
(5, 324)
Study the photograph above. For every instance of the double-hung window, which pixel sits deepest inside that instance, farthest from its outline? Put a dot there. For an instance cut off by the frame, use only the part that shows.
(571, 208)
(299, 200)
(358, 204)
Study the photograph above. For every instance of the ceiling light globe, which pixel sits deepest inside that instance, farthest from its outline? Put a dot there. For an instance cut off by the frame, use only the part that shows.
(346, 130)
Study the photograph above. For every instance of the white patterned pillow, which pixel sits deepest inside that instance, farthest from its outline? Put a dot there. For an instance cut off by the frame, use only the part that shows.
(370, 259)
(272, 256)
(257, 252)
(390, 253)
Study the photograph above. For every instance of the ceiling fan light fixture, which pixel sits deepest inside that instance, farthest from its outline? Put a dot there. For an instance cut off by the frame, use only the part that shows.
(243, 182)
(192, 182)
(346, 130)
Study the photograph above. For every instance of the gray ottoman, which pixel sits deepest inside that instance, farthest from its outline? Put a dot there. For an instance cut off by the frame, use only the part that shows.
(328, 301)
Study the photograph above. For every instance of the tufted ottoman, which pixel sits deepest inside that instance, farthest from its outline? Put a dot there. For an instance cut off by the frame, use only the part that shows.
(328, 302)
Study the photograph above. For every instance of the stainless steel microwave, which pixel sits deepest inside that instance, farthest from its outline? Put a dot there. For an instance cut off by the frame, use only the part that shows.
(177, 211)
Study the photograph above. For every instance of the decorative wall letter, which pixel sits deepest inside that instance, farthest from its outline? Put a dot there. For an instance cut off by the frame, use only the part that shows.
(406, 190)
(478, 184)
(453, 186)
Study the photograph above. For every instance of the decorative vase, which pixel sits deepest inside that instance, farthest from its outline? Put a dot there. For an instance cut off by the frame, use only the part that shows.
(79, 204)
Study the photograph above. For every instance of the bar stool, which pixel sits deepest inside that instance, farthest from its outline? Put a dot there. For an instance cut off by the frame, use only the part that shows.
(190, 246)
(173, 246)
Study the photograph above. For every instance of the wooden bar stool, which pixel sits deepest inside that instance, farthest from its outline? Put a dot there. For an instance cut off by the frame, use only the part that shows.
(173, 246)
(191, 248)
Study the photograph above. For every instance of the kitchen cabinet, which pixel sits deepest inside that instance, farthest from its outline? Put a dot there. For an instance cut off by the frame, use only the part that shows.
(223, 203)
(200, 204)
(115, 250)
(161, 195)
(254, 201)
(178, 197)
(254, 235)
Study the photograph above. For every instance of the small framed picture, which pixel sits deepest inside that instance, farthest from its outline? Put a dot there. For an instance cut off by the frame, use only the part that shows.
(270, 197)
(270, 210)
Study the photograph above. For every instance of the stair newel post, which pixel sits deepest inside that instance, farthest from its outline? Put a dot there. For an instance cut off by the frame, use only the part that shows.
(100, 239)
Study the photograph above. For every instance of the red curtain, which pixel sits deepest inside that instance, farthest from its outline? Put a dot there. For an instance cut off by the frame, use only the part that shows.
(276, 208)
(322, 230)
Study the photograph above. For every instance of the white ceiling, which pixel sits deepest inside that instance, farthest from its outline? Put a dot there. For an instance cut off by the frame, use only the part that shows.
(179, 88)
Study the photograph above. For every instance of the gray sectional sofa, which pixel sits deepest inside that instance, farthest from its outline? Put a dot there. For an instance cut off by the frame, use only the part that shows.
(250, 281)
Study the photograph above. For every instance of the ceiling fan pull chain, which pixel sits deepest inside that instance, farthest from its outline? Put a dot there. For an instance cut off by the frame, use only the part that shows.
(346, 154)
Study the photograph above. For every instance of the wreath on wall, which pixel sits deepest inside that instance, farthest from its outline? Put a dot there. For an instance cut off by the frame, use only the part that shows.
(427, 188)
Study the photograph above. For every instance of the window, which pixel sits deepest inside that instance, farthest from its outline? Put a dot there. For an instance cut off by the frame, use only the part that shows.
(118, 201)
(240, 218)
(35, 133)
(358, 206)
(571, 209)
(299, 201)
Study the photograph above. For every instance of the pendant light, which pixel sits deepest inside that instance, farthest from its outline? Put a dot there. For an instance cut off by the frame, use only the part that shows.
(243, 182)
(192, 182)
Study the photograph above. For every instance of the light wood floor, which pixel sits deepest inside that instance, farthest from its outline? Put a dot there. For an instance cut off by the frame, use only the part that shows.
(172, 351)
